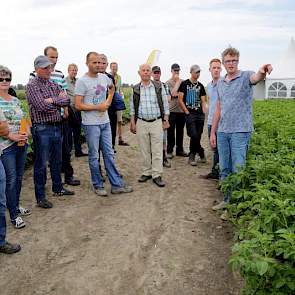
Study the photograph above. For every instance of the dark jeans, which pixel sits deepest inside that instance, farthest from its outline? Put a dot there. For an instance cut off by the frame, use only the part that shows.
(67, 144)
(75, 125)
(113, 121)
(194, 127)
(48, 146)
(176, 121)
(215, 158)
(13, 159)
(2, 205)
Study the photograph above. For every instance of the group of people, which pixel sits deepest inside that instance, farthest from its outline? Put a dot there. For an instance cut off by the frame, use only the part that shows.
(159, 111)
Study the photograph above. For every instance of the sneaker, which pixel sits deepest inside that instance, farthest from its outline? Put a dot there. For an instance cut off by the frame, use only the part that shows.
(8, 248)
(122, 190)
(192, 160)
(144, 178)
(169, 156)
(45, 204)
(18, 222)
(100, 191)
(166, 163)
(224, 215)
(219, 206)
(24, 211)
(158, 181)
(63, 192)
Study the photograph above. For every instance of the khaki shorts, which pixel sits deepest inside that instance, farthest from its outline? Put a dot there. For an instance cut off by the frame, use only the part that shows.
(119, 116)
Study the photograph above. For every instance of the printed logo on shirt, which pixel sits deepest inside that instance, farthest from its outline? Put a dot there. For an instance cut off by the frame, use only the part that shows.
(193, 96)
(99, 94)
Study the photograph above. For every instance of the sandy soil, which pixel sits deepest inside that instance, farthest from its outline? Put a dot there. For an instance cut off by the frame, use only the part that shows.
(153, 241)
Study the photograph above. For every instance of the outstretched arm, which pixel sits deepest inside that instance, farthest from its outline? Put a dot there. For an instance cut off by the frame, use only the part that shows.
(261, 74)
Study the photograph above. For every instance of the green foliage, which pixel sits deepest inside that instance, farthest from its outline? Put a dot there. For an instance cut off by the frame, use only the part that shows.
(21, 94)
(127, 94)
(262, 207)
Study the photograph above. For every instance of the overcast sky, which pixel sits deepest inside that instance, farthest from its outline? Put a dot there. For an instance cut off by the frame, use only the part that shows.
(187, 32)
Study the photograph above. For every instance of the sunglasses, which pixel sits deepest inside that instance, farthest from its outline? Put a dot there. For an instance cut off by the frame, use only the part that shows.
(157, 72)
(5, 79)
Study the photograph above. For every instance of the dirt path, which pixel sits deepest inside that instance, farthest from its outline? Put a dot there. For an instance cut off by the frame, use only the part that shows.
(153, 241)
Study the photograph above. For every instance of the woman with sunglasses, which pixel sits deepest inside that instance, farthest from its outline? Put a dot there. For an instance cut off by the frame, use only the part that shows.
(14, 149)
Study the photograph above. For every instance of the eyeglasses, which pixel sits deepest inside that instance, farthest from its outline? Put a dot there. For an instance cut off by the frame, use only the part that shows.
(5, 79)
(198, 72)
(176, 71)
(157, 72)
(231, 61)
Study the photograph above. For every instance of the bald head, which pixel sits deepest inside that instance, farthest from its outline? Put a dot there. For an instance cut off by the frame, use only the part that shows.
(145, 72)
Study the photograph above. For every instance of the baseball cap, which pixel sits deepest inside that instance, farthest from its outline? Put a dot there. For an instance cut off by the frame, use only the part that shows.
(195, 68)
(42, 61)
(156, 68)
(175, 67)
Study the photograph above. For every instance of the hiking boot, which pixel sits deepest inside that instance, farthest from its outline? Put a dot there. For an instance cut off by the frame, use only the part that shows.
(125, 189)
(63, 192)
(100, 191)
(45, 204)
(192, 160)
(144, 178)
(18, 222)
(158, 181)
(219, 206)
(9, 248)
(24, 211)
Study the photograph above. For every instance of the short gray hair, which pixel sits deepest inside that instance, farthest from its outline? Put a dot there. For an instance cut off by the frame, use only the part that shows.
(5, 71)
(230, 51)
(103, 56)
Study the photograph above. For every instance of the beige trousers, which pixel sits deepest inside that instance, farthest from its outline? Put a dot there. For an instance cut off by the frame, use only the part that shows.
(150, 137)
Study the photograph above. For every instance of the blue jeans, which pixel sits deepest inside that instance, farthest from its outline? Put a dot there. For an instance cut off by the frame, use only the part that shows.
(215, 160)
(232, 148)
(48, 146)
(13, 159)
(2, 205)
(99, 137)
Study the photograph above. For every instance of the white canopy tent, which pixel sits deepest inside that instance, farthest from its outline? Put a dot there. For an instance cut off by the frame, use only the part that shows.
(281, 82)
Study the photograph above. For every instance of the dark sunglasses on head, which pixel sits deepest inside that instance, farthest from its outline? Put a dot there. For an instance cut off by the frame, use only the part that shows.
(5, 79)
